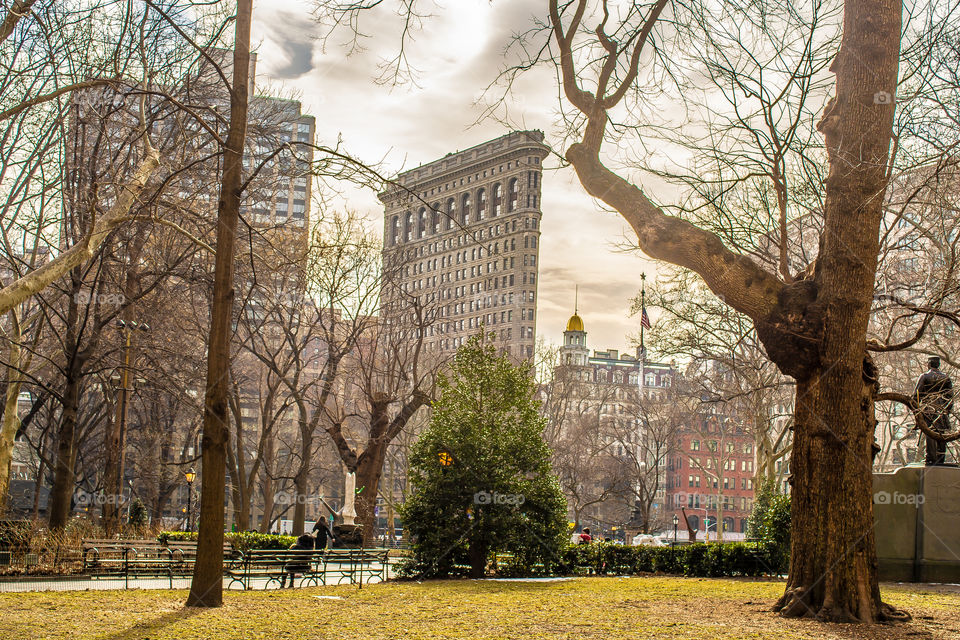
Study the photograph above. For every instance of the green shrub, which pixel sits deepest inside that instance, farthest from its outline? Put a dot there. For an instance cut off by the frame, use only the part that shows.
(770, 524)
(775, 532)
(165, 537)
(241, 540)
(695, 560)
(138, 515)
(249, 540)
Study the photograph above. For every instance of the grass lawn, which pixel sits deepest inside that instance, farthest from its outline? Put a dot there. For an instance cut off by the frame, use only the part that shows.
(603, 608)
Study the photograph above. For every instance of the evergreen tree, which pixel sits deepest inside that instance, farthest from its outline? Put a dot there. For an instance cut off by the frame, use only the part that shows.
(770, 523)
(138, 517)
(481, 472)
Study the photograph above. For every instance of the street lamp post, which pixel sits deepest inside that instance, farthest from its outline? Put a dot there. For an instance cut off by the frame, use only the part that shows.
(115, 435)
(676, 521)
(190, 475)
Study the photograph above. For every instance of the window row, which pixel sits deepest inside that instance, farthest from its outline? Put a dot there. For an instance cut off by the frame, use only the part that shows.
(458, 211)
(444, 262)
(468, 238)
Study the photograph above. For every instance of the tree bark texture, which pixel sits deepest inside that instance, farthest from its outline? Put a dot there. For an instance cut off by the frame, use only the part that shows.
(833, 573)
(206, 589)
(61, 494)
(11, 418)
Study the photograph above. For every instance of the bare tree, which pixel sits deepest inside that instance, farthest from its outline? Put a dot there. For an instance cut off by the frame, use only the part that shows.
(206, 589)
(813, 328)
(644, 443)
(586, 433)
(387, 378)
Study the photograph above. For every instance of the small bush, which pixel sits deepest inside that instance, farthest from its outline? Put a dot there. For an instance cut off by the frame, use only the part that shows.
(241, 540)
(697, 560)
(770, 524)
(165, 537)
(139, 518)
(249, 540)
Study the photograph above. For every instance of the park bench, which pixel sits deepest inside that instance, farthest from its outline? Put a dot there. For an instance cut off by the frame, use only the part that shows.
(760, 556)
(314, 567)
(140, 558)
(353, 564)
(123, 558)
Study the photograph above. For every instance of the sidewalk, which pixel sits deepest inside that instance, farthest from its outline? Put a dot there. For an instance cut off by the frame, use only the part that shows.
(86, 583)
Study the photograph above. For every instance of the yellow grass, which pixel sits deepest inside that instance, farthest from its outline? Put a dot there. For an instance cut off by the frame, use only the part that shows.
(602, 608)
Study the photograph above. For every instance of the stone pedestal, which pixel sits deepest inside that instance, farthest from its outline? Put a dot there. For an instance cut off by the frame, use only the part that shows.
(917, 511)
(348, 536)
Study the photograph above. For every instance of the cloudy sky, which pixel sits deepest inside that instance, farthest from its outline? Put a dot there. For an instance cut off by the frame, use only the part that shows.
(457, 53)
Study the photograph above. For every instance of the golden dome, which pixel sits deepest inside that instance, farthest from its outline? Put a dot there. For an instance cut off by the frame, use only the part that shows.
(575, 323)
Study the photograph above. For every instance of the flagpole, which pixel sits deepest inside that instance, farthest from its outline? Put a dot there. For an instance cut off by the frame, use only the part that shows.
(643, 308)
(643, 349)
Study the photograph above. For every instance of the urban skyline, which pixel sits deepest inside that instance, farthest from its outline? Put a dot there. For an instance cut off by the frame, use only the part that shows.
(580, 244)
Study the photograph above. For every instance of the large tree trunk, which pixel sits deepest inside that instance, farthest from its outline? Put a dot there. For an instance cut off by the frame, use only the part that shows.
(206, 589)
(833, 573)
(268, 485)
(11, 418)
(61, 494)
(832, 449)
(239, 494)
(268, 502)
(478, 560)
(301, 478)
(369, 470)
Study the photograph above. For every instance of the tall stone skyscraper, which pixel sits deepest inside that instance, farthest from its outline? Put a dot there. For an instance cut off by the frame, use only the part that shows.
(461, 245)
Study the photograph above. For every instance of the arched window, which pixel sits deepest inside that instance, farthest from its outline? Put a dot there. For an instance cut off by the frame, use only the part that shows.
(394, 230)
(465, 210)
(435, 218)
(408, 227)
(497, 199)
(695, 522)
(481, 204)
(513, 195)
(451, 212)
(422, 222)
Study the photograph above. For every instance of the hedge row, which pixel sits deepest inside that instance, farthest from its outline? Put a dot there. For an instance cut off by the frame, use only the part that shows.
(699, 559)
(241, 540)
(714, 560)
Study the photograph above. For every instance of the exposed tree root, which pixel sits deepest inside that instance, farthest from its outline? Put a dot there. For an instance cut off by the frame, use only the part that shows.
(795, 604)
(889, 613)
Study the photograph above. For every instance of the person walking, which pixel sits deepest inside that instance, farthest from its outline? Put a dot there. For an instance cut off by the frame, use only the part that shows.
(323, 534)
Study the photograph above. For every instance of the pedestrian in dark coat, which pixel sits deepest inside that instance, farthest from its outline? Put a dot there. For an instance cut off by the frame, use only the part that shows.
(323, 533)
(293, 567)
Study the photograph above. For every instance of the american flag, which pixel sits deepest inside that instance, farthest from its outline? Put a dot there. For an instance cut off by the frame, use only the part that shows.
(644, 318)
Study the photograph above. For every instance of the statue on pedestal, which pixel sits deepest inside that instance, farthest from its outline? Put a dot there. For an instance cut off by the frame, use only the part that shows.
(934, 395)
(347, 532)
